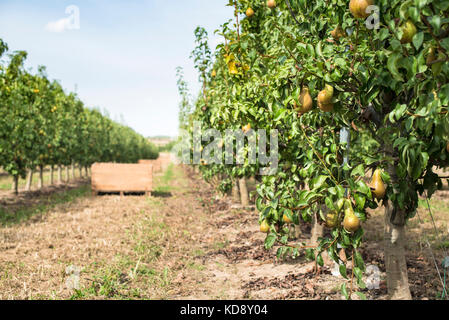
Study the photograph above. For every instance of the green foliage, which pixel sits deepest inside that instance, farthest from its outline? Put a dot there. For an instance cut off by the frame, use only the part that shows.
(392, 95)
(42, 125)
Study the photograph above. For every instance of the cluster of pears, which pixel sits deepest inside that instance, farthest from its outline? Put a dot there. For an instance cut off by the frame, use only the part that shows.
(351, 222)
(358, 8)
(306, 103)
(270, 4)
(377, 185)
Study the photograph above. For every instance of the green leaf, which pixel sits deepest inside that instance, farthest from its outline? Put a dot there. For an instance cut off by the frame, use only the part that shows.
(342, 269)
(392, 66)
(344, 291)
(418, 40)
(270, 240)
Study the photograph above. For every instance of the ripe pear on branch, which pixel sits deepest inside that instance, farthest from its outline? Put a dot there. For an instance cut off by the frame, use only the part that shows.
(377, 185)
(358, 8)
(408, 32)
(286, 219)
(325, 99)
(249, 12)
(332, 220)
(351, 222)
(271, 4)
(264, 227)
(305, 101)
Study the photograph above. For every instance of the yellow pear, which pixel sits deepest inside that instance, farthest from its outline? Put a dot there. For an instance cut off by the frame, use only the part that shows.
(232, 68)
(447, 147)
(286, 219)
(249, 12)
(305, 101)
(358, 8)
(325, 96)
(408, 32)
(325, 99)
(351, 223)
(214, 73)
(271, 4)
(331, 220)
(377, 185)
(264, 227)
(326, 107)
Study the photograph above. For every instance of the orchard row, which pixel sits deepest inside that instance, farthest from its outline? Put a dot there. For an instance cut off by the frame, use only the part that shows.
(315, 72)
(42, 125)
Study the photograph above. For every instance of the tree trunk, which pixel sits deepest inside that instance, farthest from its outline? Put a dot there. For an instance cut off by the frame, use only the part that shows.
(317, 231)
(86, 171)
(80, 168)
(395, 262)
(40, 184)
(67, 174)
(244, 199)
(15, 185)
(59, 174)
(73, 171)
(235, 192)
(29, 180)
(51, 175)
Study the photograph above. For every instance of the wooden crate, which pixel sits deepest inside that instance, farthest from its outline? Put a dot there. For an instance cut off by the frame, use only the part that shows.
(118, 177)
(155, 163)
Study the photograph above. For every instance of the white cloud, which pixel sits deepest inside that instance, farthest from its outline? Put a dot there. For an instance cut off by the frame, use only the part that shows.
(59, 26)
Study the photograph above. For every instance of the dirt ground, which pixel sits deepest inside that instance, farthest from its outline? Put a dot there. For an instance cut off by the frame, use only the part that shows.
(184, 243)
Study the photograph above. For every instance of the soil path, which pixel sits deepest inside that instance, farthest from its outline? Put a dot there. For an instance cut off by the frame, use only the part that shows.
(181, 243)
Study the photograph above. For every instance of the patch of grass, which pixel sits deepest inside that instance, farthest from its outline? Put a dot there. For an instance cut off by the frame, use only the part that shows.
(163, 182)
(220, 245)
(435, 204)
(198, 253)
(195, 266)
(18, 215)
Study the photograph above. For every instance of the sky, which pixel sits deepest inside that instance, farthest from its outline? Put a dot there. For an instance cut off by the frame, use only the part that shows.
(119, 55)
